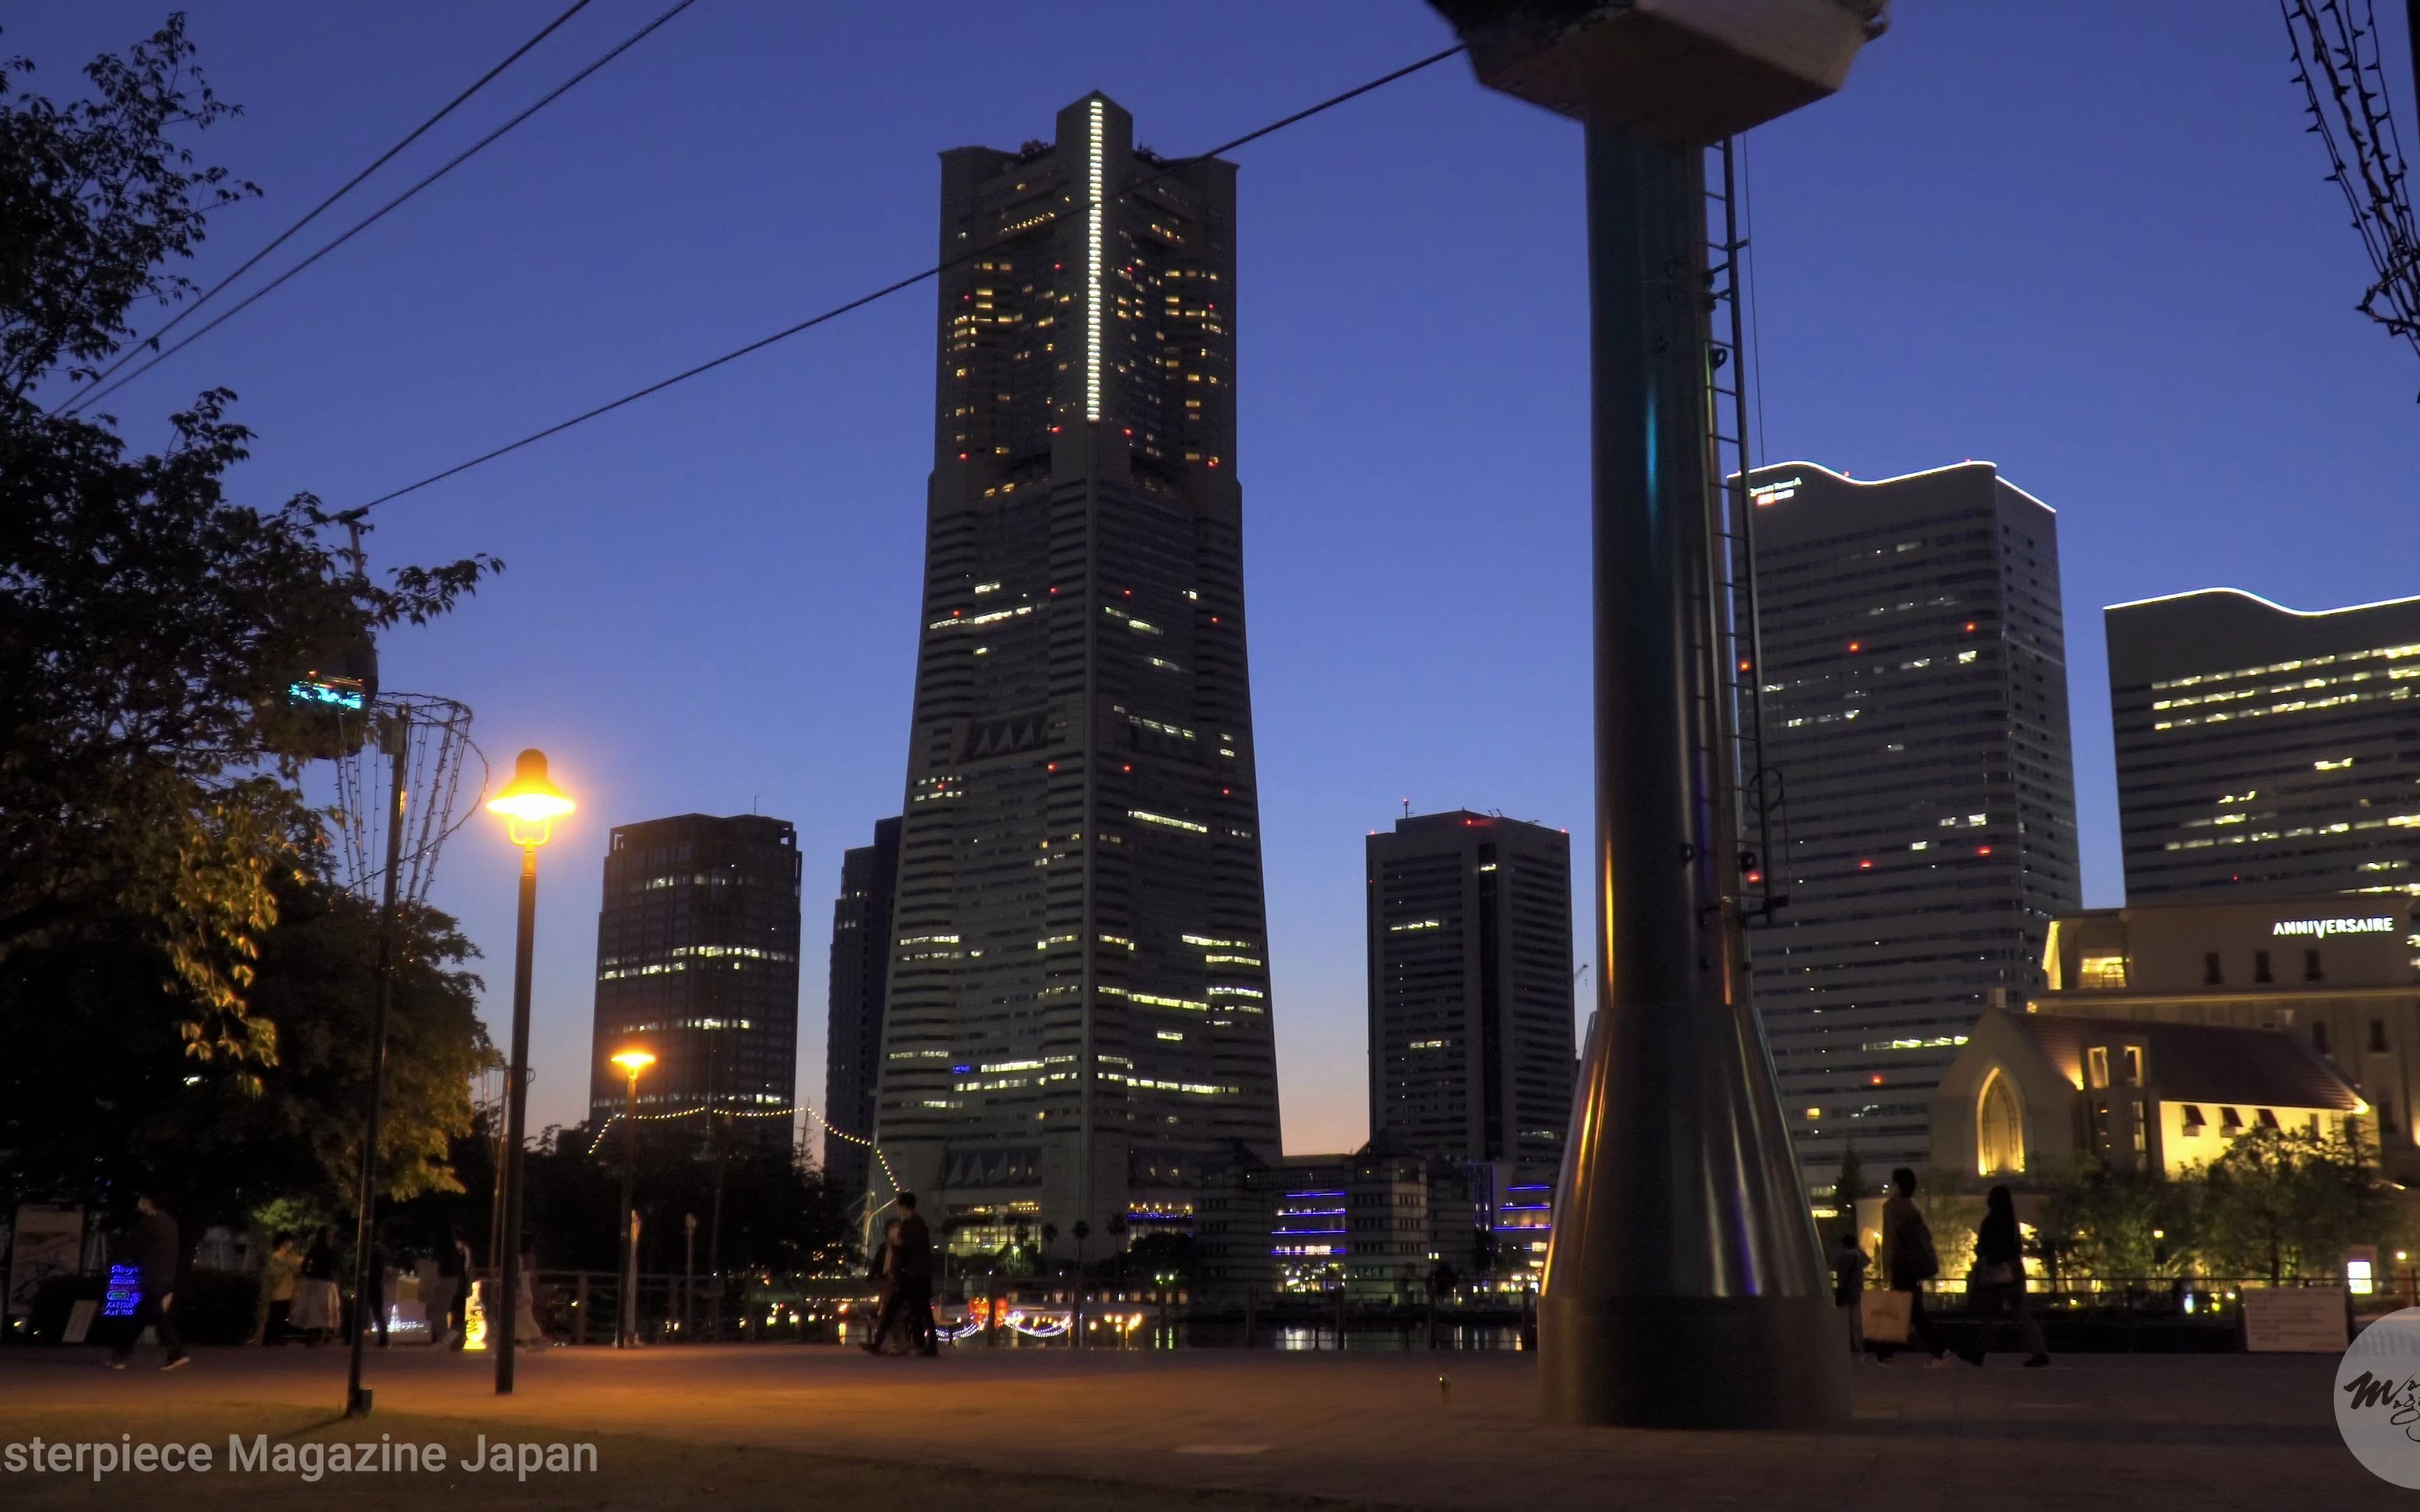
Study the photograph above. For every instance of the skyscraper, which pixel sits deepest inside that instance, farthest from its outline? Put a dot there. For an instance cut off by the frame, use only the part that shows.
(861, 961)
(1913, 681)
(697, 961)
(2264, 752)
(1470, 988)
(1078, 1011)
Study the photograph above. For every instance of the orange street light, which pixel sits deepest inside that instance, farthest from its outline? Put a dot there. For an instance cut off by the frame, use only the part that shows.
(625, 1325)
(532, 803)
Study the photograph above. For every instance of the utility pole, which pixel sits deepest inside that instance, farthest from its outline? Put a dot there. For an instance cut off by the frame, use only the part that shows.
(395, 738)
(688, 1274)
(1687, 1286)
(505, 1261)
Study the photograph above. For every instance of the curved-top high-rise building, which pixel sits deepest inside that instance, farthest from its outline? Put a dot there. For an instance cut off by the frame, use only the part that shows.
(1078, 1014)
(2265, 751)
(1915, 723)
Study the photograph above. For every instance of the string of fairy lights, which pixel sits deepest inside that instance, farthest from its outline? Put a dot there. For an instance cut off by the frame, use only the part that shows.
(821, 1122)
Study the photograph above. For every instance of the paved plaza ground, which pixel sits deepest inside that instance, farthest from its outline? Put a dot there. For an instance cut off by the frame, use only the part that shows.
(816, 1425)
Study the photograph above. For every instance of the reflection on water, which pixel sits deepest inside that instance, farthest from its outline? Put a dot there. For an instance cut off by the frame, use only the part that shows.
(1379, 1337)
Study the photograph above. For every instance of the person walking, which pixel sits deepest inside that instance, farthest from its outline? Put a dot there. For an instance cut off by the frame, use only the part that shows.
(1909, 1261)
(885, 1275)
(153, 1250)
(1996, 1290)
(1849, 1265)
(381, 1261)
(911, 1268)
(283, 1267)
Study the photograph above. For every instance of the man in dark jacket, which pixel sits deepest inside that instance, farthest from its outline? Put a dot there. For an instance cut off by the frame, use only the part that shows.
(153, 1250)
(911, 1268)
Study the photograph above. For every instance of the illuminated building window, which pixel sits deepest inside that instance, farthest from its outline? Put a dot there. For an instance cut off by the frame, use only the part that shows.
(2103, 972)
(1999, 1128)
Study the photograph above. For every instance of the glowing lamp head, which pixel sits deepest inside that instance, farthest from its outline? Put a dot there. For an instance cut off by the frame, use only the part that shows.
(634, 1061)
(531, 800)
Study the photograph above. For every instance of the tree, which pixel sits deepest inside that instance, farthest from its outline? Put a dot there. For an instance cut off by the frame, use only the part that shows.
(1848, 1187)
(2118, 1226)
(94, 198)
(1951, 1215)
(98, 1091)
(150, 624)
(1153, 1257)
(318, 984)
(787, 1218)
(2286, 1203)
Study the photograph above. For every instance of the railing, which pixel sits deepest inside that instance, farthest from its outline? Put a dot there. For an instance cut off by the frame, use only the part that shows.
(2141, 1315)
(2137, 1315)
(581, 1308)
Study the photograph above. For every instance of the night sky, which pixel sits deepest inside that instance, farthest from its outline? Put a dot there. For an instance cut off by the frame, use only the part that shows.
(2086, 239)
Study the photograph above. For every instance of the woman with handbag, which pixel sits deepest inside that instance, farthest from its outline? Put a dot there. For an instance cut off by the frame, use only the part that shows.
(1909, 1261)
(1996, 1290)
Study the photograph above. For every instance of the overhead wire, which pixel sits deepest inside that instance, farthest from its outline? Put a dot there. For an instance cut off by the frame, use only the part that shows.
(92, 397)
(896, 287)
(152, 340)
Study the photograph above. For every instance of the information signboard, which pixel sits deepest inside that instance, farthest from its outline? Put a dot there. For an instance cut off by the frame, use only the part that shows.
(48, 1242)
(2295, 1320)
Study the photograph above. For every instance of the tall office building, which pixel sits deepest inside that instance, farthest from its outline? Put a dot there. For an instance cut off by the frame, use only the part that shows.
(860, 972)
(697, 961)
(1079, 1013)
(1470, 988)
(1915, 708)
(2263, 751)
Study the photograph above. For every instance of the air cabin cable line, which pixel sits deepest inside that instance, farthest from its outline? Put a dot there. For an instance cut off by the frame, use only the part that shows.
(152, 340)
(889, 289)
(366, 222)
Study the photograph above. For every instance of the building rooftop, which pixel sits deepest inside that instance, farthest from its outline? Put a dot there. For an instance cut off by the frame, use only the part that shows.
(2200, 1062)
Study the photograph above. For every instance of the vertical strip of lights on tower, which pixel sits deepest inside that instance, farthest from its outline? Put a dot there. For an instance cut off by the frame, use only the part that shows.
(1093, 277)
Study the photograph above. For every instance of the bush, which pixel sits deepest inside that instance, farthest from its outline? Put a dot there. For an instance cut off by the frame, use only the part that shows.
(218, 1306)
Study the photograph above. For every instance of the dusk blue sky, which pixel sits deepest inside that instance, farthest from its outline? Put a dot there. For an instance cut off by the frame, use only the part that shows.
(2086, 239)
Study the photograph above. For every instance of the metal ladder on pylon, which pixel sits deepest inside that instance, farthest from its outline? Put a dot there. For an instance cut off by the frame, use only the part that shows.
(1756, 788)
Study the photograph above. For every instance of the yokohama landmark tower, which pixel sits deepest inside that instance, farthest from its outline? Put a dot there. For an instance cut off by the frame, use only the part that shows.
(1079, 1014)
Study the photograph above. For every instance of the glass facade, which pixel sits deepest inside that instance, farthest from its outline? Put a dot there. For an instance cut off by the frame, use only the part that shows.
(1470, 988)
(697, 961)
(1078, 1009)
(1915, 718)
(2263, 751)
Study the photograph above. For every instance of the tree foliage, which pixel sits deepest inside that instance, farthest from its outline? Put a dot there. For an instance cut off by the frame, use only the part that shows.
(2118, 1223)
(149, 622)
(2277, 1204)
(1847, 1188)
(2286, 1203)
(96, 196)
(98, 1093)
(780, 1215)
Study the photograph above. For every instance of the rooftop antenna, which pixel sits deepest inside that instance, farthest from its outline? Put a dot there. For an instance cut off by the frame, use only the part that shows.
(1408, 808)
